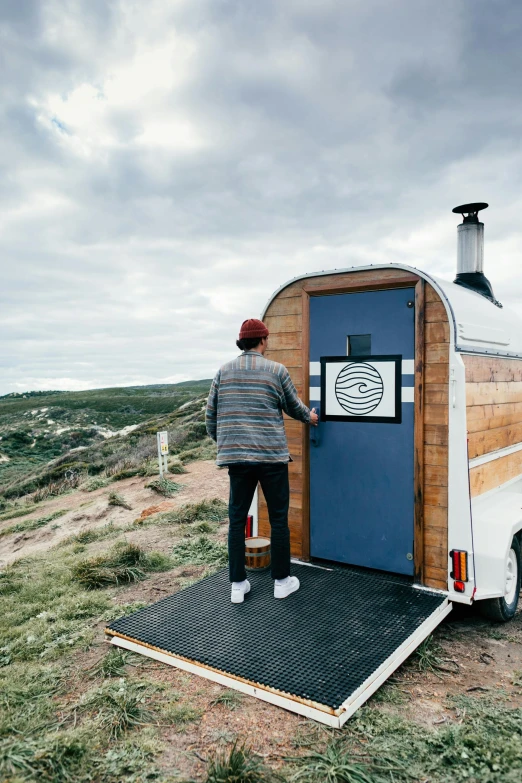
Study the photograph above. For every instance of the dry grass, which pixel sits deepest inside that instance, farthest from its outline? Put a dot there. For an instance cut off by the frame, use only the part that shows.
(123, 564)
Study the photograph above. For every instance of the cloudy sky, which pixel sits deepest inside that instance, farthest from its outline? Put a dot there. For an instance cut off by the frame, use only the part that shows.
(165, 165)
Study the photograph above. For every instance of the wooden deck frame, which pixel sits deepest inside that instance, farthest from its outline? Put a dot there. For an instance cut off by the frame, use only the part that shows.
(308, 290)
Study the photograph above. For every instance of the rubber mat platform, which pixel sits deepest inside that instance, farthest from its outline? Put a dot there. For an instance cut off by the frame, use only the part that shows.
(323, 649)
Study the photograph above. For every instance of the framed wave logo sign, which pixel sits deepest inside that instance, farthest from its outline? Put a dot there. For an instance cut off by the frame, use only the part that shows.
(361, 388)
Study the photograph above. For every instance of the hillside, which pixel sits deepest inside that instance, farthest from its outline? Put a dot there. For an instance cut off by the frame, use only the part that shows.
(74, 709)
(88, 534)
(39, 429)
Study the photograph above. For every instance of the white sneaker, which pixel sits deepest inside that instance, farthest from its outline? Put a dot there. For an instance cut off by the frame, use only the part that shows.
(284, 587)
(239, 590)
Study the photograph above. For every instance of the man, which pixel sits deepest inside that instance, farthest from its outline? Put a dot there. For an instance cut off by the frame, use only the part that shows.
(245, 416)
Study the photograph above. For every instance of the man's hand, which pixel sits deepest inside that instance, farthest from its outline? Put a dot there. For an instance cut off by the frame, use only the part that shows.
(314, 418)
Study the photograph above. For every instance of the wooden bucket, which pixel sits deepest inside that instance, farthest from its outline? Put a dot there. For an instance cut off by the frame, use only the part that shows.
(257, 553)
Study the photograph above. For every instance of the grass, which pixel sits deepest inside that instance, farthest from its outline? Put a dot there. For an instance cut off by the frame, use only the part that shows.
(118, 707)
(123, 564)
(112, 664)
(176, 468)
(205, 451)
(429, 656)
(91, 485)
(16, 511)
(56, 758)
(45, 617)
(26, 694)
(205, 527)
(165, 487)
(239, 765)
(389, 693)
(228, 698)
(333, 765)
(117, 500)
(180, 714)
(483, 744)
(214, 510)
(32, 524)
(92, 534)
(200, 551)
(43, 612)
(55, 488)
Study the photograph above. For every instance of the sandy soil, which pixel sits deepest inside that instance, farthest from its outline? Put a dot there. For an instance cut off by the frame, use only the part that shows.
(89, 510)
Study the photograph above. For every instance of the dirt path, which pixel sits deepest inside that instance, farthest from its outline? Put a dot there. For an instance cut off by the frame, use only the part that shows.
(90, 510)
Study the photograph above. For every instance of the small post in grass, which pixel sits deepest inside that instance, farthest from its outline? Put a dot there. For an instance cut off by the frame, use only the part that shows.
(163, 449)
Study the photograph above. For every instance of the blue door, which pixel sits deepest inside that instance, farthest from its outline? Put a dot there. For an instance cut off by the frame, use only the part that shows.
(361, 471)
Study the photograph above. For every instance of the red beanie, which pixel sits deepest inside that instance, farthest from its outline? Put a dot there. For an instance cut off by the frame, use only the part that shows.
(253, 327)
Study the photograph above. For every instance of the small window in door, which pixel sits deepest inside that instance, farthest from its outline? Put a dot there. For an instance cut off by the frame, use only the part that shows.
(359, 345)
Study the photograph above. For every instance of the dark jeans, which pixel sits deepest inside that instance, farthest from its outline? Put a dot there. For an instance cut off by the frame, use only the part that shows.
(273, 477)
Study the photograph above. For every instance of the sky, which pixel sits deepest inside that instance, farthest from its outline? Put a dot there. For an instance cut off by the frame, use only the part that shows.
(166, 165)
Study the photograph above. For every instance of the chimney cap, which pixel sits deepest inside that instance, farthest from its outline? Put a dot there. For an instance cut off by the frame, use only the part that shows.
(469, 212)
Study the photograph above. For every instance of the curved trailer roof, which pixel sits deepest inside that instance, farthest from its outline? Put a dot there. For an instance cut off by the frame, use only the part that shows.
(479, 325)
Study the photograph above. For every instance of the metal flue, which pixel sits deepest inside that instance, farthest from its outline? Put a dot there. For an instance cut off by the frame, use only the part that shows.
(470, 251)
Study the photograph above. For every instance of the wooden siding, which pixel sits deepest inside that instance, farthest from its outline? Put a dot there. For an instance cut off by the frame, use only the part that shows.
(436, 412)
(494, 418)
(287, 320)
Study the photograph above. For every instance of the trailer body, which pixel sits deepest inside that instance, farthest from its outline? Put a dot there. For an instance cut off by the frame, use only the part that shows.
(464, 399)
(405, 499)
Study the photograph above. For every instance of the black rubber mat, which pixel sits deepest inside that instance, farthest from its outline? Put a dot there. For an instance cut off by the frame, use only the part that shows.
(320, 643)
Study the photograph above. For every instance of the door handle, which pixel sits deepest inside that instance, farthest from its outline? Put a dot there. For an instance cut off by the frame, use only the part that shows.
(314, 431)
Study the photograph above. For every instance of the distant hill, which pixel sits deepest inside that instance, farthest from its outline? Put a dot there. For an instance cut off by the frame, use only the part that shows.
(37, 428)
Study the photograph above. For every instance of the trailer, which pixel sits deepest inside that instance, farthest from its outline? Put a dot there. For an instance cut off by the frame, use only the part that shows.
(405, 499)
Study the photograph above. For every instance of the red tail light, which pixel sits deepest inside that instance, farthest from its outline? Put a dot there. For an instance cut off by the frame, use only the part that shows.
(459, 559)
(249, 526)
(459, 587)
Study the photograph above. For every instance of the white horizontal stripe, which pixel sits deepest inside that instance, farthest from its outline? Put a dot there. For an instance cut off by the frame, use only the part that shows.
(315, 393)
(473, 463)
(408, 367)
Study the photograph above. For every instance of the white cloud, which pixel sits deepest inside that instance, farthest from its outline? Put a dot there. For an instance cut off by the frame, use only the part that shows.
(167, 165)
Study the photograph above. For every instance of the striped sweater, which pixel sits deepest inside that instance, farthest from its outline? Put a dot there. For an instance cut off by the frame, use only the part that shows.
(245, 410)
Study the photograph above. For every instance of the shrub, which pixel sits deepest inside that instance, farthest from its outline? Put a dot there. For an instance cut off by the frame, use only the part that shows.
(214, 510)
(92, 534)
(117, 500)
(55, 488)
(228, 698)
(119, 707)
(240, 765)
(205, 527)
(125, 473)
(181, 714)
(199, 551)
(164, 487)
(123, 564)
(112, 664)
(56, 758)
(207, 450)
(95, 483)
(334, 765)
(176, 467)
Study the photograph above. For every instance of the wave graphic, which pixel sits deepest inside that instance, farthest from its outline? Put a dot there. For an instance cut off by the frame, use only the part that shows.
(359, 388)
